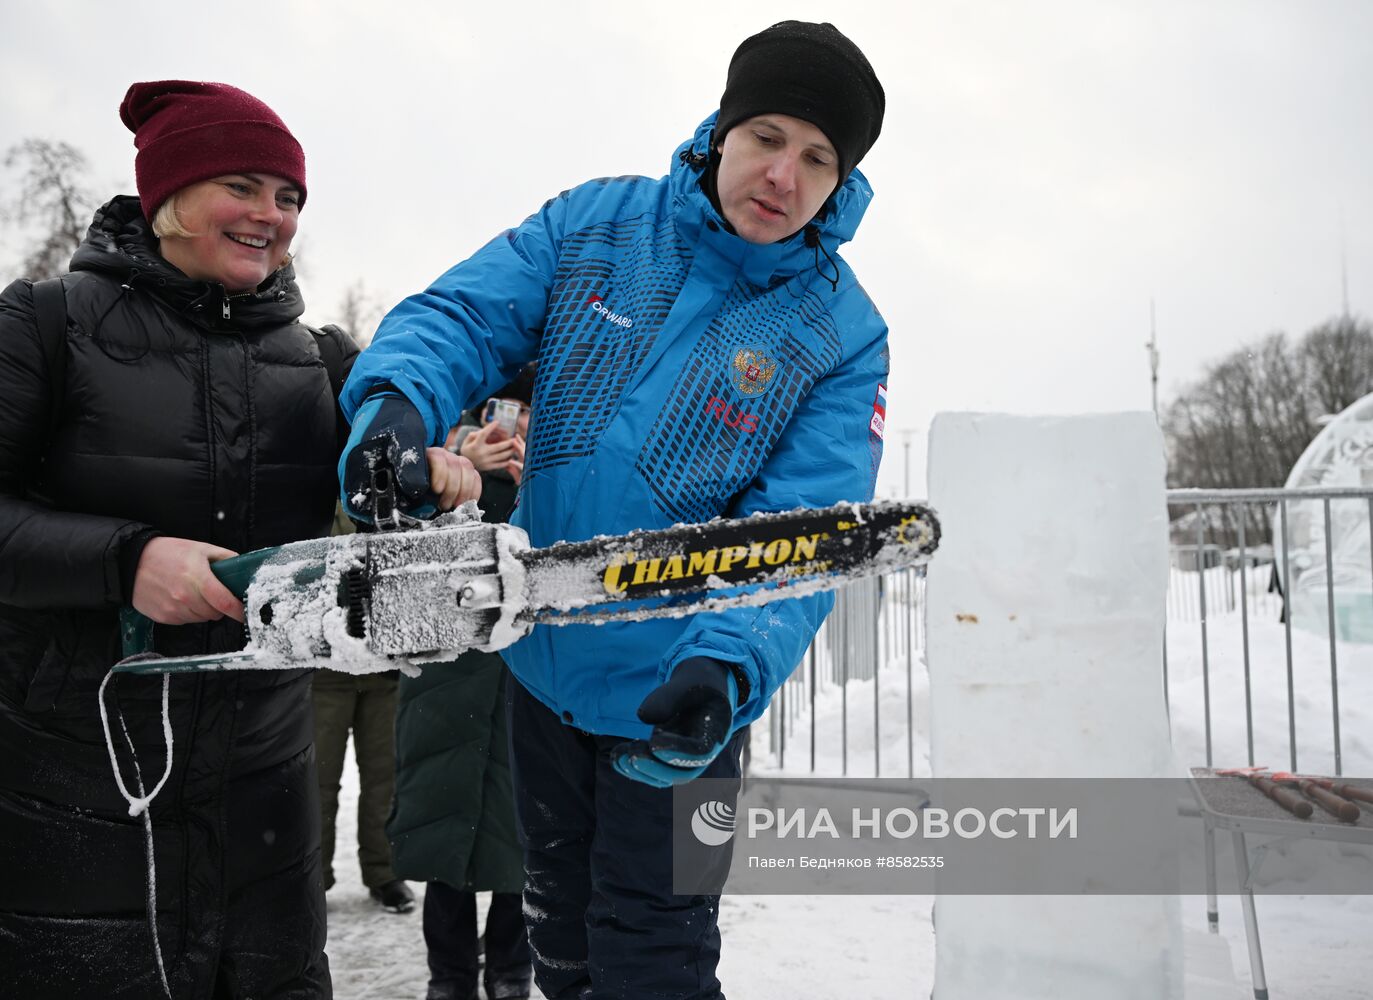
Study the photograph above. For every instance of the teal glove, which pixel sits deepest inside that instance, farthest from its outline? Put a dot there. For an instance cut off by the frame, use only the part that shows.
(691, 714)
(388, 436)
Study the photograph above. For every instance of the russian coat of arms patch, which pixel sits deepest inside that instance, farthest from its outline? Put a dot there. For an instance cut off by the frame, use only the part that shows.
(753, 371)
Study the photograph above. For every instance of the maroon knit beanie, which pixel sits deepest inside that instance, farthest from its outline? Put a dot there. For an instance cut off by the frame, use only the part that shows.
(188, 132)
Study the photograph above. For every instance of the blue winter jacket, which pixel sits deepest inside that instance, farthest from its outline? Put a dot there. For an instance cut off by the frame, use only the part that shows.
(684, 374)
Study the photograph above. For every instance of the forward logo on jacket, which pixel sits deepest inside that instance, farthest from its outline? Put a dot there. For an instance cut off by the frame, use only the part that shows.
(597, 304)
(753, 371)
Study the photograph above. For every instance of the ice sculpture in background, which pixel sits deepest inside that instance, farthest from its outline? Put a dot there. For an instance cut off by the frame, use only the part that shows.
(1341, 455)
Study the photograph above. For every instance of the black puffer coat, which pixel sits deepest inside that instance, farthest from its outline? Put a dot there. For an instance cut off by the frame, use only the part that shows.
(191, 414)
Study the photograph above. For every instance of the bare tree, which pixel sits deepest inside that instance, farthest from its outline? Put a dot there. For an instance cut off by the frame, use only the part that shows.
(1339, 354)
(1248, 419)
(359, 312)
(1252, 414)
(52, 199)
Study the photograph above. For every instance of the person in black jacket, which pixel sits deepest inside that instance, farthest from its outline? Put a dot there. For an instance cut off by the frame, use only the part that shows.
(183, 414)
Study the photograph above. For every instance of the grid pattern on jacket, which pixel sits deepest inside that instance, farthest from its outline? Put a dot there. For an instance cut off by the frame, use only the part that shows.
(698, 454)
(608, 274)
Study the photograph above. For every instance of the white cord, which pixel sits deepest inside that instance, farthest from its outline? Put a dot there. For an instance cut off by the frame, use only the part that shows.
(140, 805)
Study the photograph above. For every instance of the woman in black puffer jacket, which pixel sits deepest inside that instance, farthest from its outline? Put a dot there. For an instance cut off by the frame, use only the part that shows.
(195, 417)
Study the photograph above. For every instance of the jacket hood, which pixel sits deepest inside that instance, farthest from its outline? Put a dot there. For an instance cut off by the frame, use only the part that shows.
(835, 224)
(120, 243)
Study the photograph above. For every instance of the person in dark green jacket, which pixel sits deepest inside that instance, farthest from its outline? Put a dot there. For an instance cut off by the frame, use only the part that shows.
(365, 706)
(453, 821)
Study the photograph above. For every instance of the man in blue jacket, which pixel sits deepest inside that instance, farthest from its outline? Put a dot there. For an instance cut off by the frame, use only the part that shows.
(702, 351)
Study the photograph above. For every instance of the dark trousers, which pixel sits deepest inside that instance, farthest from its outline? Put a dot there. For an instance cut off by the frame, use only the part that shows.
(450, 935)
(603, 921)
(364, 704)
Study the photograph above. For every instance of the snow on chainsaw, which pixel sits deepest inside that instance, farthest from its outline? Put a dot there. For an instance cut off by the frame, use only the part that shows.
(377, 601)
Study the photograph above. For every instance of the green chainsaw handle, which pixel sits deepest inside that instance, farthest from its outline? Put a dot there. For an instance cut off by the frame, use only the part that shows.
(235, 572)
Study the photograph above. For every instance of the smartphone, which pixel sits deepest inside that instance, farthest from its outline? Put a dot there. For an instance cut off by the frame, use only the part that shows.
(505, 412)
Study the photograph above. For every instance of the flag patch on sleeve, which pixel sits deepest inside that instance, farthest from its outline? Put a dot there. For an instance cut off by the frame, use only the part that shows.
(878, 424)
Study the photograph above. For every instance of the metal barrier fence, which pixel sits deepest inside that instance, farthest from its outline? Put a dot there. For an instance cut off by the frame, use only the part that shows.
(1237, 557)
(873, 638)
(1320, 562)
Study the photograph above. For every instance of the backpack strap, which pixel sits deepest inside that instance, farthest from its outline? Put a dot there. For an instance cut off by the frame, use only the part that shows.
(330, 340)
(331, 353)
(50, 314)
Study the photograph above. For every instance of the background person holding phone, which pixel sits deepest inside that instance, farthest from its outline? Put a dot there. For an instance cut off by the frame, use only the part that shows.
(497, 444)
(453, 823)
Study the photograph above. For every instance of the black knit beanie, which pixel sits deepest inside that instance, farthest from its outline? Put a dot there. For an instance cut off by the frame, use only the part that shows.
(812, 72)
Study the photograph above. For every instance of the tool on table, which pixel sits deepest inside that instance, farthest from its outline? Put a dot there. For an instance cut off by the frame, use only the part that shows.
(1322, 791)
(1284, 797)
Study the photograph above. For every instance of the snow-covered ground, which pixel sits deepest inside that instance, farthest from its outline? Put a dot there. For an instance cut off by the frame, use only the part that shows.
(776, 947)
(882, 947)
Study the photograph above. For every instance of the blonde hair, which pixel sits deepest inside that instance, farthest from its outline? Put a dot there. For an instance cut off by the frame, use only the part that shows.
(167, 220)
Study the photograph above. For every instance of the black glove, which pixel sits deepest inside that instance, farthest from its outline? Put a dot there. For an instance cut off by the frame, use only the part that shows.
(388, 437)
(691, 714)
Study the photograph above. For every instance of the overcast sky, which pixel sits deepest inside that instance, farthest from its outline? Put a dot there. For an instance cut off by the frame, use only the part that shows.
(1046, 168)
